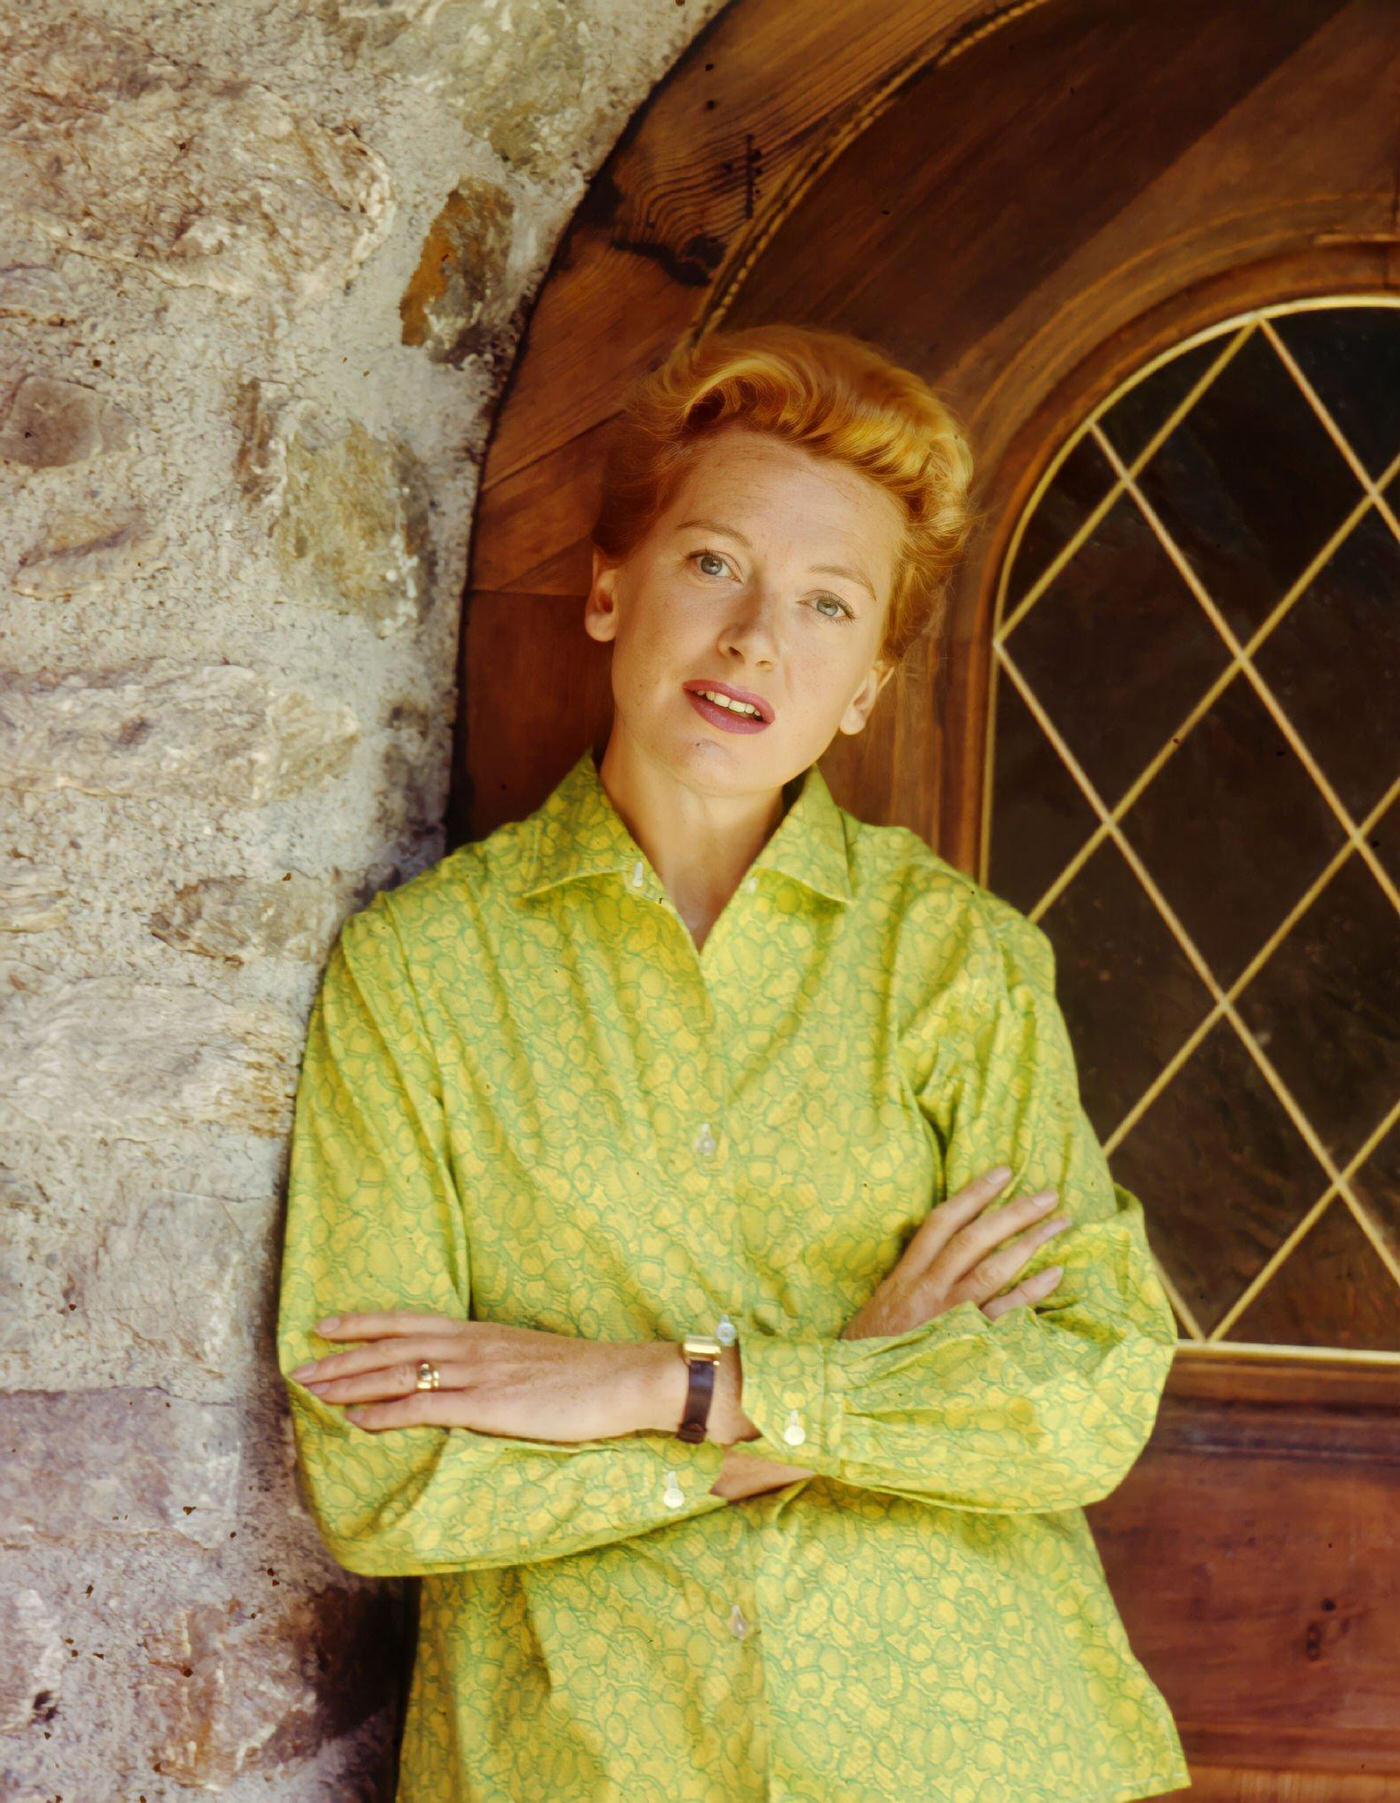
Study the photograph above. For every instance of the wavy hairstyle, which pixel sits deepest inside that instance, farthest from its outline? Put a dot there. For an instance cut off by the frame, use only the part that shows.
(836, 396)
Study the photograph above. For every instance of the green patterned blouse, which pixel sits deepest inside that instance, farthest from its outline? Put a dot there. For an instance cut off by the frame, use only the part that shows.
(527, 1097)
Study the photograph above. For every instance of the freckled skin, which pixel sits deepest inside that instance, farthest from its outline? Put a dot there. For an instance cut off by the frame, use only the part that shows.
(701, 801)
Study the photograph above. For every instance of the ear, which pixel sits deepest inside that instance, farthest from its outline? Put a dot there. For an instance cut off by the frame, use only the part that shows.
(600, 609)
(859, 708)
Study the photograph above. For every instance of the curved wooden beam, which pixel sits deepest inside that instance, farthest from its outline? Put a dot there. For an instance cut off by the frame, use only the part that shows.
(1267, 170)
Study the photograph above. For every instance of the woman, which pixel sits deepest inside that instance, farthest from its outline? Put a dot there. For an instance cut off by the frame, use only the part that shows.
(646, 1165)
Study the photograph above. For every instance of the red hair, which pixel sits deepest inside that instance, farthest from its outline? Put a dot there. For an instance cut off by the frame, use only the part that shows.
(829, 393)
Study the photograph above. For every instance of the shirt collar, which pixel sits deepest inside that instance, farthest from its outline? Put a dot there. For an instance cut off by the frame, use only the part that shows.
(579, 833)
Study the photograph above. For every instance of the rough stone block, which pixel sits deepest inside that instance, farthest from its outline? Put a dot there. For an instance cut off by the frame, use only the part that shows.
(51, 422)
(31, 1672)
(82, 553)
(116, 1462)
(117, 1054)
(234, 1688)
(163, 728)
(32, 899)
(133, 156)
(238, 918)
(353, 530)
(457, 294)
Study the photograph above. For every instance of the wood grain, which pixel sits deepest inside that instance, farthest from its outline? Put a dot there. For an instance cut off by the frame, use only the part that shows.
(1027, 204)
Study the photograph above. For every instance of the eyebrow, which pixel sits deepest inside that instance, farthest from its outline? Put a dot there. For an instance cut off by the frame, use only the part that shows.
(818, 569)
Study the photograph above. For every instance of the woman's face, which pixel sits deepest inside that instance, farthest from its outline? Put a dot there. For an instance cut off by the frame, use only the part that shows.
(770, 574)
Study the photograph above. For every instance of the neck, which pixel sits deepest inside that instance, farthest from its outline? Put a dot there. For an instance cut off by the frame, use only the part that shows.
(699, 844)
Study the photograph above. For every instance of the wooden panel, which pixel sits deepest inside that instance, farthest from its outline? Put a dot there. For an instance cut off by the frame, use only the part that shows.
(1077, 186)
(1075, 194)
(1214, 1784)
(689, 192)
(1026, 204)
(540, 657)
(1072, 169)
(1254, 1553)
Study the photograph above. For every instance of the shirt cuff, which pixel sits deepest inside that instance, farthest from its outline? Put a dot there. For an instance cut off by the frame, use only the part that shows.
(676, 1474)
(791, 1391)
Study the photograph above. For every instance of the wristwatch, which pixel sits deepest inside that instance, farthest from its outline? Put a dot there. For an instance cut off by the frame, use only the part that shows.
(701, 1353)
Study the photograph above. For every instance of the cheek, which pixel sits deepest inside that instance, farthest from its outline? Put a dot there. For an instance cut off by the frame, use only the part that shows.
(819, 673)
(670, 635)
(651, 660)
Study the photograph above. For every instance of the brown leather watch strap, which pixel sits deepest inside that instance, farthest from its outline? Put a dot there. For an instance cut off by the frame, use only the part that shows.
(701, 1353)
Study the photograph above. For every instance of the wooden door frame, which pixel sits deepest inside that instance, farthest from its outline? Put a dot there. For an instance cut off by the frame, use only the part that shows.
(764, 100)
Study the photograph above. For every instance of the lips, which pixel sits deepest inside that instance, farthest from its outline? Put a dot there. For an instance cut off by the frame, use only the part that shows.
(723, 719)
(727, 688)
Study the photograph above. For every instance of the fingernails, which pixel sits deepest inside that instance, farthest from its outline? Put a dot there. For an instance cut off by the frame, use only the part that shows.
(302, 1372)
(1046, 1200)
(1000, 1174)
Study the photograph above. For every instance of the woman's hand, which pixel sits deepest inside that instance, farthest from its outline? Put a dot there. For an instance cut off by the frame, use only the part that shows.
(951, 1260)
(494, 1378)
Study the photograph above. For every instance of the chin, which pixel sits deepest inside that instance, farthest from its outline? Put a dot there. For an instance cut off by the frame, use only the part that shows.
(737, 762)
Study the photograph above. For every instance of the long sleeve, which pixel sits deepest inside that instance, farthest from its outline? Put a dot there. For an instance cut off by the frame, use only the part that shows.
(375, 1223)
(1048, 1406)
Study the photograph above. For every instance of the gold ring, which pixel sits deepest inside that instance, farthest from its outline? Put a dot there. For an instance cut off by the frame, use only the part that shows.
(428, 1376)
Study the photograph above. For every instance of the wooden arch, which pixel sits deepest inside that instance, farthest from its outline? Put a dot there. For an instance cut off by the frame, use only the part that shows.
(1023, 202)
(1026, 203)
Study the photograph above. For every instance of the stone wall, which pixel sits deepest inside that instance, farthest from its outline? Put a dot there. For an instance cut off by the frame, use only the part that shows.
(263, 271)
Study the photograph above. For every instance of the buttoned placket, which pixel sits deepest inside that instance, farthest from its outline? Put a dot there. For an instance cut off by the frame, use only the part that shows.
(713, 960)
(706, 1146)
(794, 1429)
(704, 1140)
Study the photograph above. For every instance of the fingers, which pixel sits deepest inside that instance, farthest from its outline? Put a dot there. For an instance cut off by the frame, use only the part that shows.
(959, 1232)
(1034, 1289)
(425, 1408)
(389, 1382)
(385, 1355)
(944, 1220)
(380, 1326)
(971, 1243)
(998, 1268)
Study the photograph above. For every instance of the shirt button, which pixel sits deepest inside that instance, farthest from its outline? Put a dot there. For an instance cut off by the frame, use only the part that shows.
(673, 1496)
(738, 1627)
(794, 1433)
(706, 1142)
(638, 876)
(725, 1331)
(750, 884)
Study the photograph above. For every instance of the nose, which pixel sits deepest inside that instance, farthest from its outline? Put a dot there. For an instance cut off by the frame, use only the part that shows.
(751, 629)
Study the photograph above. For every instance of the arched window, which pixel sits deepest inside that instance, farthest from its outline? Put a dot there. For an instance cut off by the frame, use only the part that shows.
(1194, 764)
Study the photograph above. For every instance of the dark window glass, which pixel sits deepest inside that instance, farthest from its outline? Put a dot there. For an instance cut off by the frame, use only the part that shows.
(1192, 787)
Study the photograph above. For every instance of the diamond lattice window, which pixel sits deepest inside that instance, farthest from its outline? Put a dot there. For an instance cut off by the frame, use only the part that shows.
(1194, 768)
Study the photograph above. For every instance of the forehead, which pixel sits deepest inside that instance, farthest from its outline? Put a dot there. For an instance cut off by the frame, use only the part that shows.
(747, 480)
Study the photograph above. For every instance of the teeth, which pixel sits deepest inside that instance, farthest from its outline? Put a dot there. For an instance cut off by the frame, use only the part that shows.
(736, 707)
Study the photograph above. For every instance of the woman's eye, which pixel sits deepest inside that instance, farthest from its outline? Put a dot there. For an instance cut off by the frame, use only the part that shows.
(831, 607)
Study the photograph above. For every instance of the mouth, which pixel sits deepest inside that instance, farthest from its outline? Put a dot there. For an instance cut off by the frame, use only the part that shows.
(731, 709)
